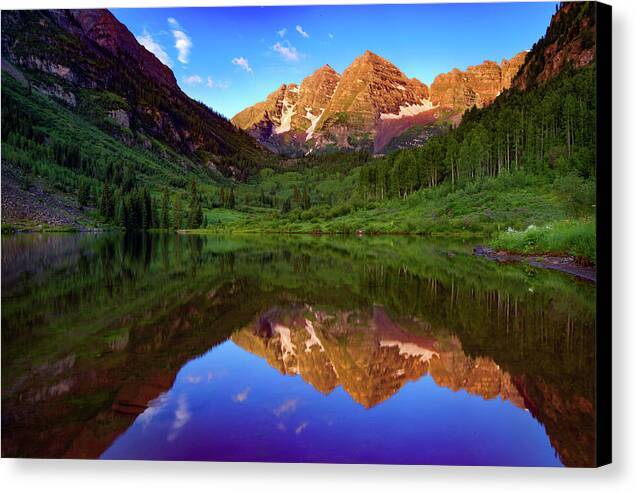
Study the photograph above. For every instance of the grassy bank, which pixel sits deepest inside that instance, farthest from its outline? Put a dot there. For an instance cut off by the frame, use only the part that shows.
(485, 207)
(571, 237)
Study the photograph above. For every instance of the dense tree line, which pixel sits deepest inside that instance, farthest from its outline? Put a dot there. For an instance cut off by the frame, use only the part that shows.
(551, 127)
(132, 207)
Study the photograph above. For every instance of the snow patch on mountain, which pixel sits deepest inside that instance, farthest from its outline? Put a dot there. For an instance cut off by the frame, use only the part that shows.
(313, 340)
(410, 350)
(286, 116)
(287, 347)
(409, 110)
(314, 119)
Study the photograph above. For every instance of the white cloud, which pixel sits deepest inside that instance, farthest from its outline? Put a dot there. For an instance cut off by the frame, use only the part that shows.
(288, 406)
(192, 80)
(281, 32)
(300, 30)
(330, 35)
(196, 80)
(300, 428)
(153, 409)
(183, 45)
(287, 51)
(243, 63)
(182, 416)
(148, 42)
(217, 84)
(194, 379)
(241, 396)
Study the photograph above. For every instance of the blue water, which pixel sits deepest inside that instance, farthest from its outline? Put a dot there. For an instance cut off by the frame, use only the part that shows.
(230, 405)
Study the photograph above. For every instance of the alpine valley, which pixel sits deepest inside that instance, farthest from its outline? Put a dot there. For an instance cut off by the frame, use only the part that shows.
(97, 133)
(360, 267)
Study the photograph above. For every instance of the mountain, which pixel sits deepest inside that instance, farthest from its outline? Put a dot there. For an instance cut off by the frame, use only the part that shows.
(292, 107)
(91, 63)
(371, 105)
(569, 42)
(477, 86)
(356, 111)
(369, 355)
(370, 91)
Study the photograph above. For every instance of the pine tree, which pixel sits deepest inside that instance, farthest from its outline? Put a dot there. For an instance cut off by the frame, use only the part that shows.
(145, 203)
(306, 198)
(287, 206)
(231, 199)
(263, 201)
(195, 213)
(107, 206)
(165, 200)
(296, 196)
(83, 193)
(177, 212)
(124, 214)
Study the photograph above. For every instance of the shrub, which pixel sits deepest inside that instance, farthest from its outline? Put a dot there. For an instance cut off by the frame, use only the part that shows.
(570, 237)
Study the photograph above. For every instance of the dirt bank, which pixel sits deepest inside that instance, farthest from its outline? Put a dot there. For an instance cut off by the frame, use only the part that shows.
(563, 263)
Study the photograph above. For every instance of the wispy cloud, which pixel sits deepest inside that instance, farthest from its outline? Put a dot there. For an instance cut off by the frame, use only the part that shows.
(182, 416)
(287, 51)
(183, 43)
(241, 396)
(288, 406)
(282, 32)
(153, 409)
(300, 428)
(192, 80)
(147, 41)
(217, 84)
(197, 80)
(300, 30)
(243, 63)
(330, 35)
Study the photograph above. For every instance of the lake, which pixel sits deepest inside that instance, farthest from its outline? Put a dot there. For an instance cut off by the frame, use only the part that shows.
(294, 348)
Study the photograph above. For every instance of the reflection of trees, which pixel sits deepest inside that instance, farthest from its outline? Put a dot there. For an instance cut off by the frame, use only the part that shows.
(176, 296)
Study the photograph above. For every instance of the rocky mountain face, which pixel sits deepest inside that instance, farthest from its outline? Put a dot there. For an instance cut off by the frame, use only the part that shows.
(369, 106)
(477, 86)
(371, 90)
(371, 357)
(80, 57)
(569, 41)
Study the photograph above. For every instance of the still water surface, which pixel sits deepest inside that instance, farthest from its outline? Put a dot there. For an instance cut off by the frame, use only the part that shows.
(293, 349)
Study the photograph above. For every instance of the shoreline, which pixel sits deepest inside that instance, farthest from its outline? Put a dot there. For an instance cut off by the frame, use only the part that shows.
(562, 263)
(567, 264)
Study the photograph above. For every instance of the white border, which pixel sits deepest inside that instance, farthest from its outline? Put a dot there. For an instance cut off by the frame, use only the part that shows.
(115, 477)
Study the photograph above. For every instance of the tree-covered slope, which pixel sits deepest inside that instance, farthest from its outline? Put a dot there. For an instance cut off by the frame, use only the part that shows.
(91, 62)
(93, 121)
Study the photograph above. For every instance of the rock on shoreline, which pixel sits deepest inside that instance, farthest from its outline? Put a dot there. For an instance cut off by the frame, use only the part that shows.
(562, 263)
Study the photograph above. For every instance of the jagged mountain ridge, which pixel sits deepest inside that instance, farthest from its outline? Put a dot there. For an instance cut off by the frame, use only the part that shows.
(477, 86)
(371, 357)
(69, 54)
(570, 40)
(371, 103)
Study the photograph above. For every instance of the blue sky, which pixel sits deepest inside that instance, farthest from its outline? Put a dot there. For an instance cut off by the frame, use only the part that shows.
(232, 57)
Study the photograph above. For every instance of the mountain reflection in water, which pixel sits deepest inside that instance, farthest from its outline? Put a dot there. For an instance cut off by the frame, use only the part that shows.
(398, 350)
